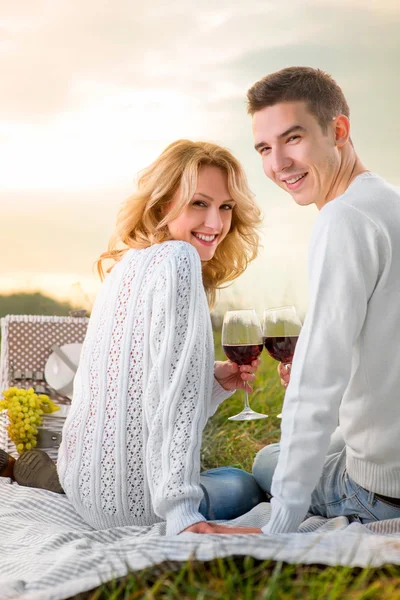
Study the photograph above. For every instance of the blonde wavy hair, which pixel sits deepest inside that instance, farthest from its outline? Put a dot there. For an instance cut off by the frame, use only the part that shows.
(143, 218)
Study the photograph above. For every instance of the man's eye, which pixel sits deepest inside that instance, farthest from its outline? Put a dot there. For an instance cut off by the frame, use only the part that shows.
(265, 150)
(293, 137)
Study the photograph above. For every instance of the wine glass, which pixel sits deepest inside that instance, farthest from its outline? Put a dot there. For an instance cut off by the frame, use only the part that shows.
(242, 343)
(281, 328)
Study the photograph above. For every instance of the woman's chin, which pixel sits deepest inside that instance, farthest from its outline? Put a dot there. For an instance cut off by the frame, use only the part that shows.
(206, 254)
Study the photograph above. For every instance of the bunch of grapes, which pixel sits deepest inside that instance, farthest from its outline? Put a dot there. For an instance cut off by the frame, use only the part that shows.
(25, 410)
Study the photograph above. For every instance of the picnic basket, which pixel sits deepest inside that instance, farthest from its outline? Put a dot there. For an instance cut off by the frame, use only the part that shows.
(26, 344)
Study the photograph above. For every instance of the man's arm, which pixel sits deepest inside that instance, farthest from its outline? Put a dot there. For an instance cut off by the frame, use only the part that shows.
(343, 270)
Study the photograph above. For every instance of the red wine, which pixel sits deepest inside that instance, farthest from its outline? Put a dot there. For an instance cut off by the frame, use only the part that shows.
(243, 354)
(281, 348)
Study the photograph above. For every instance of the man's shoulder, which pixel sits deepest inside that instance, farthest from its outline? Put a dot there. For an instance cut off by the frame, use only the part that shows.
(363, 200)
(343, 217)
(371, 198)
(369, 187)
(338, 208)
(366, 211)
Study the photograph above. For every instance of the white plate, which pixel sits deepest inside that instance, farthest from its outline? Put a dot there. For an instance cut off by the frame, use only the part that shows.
(57, 374)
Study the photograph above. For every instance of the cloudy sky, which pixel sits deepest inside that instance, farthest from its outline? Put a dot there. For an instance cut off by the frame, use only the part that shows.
(93, 90)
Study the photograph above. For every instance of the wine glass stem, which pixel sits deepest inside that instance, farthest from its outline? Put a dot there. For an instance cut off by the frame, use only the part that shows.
(246, 401)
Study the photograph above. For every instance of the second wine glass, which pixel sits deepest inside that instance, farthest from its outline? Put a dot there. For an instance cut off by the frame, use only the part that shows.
(242, 343)
(281, 328)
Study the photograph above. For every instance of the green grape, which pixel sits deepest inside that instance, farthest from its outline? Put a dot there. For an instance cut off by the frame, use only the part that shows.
(25, 410)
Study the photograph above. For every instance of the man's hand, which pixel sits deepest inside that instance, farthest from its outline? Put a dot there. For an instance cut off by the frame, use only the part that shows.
(205, 527)
(284, 373)
(232, 377)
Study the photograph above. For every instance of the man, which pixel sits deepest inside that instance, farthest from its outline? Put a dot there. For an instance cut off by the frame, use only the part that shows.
(346, 364)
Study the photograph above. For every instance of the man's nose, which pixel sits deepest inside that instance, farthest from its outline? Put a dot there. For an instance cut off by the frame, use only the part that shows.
(279, 160)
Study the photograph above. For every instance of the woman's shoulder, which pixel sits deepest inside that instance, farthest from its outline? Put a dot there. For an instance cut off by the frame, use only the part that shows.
(176, 250)
(179, 260)
(171, 249)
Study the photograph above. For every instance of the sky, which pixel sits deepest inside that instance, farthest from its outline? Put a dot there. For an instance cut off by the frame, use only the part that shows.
(93, 90)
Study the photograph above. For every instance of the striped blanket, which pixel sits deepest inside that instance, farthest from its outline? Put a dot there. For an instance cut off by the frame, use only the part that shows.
(48, 553)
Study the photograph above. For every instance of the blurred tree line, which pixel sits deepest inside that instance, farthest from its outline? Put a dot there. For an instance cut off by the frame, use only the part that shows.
(24, 303)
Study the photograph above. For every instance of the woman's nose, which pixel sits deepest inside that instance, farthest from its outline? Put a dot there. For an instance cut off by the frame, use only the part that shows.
(213, 219)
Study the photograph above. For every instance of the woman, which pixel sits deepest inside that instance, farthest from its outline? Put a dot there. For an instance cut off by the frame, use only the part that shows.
(130, 452)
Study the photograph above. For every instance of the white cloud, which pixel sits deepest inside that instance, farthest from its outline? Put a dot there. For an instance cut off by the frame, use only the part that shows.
(48, 46)
(116, 132)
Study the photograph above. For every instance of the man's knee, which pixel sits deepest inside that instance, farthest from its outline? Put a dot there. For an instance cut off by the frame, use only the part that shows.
(264, 466)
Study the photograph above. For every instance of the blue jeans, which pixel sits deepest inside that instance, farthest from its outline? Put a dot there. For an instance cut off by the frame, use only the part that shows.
(228, 493)
(336, 494)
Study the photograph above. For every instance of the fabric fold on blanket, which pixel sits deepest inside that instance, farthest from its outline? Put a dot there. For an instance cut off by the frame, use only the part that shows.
(48, 553)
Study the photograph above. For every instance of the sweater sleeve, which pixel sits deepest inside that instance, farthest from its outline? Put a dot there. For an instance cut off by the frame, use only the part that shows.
(179, 394)
(219, 394)
(344, 269)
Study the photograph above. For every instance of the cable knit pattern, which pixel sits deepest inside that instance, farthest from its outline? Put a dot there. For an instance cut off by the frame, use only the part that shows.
(130, 453)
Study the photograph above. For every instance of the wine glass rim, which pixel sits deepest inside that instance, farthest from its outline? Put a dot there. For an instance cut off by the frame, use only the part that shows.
(241, 310)
(281, 307)
(272, 314)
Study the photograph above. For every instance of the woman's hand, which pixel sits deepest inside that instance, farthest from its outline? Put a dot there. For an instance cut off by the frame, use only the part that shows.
(284, 374)
(232, 377)
(205, 527)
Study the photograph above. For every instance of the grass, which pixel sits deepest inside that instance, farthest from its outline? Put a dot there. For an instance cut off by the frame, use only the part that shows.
(248, 579)
(235, 444)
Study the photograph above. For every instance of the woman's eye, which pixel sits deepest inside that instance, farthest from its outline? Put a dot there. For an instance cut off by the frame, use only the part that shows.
(199, 203)
(226, 207)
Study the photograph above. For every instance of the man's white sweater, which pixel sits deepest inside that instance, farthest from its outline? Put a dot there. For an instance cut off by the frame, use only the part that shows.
(347, 360)
(130, 452)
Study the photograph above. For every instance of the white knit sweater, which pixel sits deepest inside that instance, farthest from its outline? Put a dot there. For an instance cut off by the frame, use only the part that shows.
(347, 358)
(130, 453)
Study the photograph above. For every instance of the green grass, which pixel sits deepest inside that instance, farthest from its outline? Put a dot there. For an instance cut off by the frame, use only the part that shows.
(235, 444)
(248, 579)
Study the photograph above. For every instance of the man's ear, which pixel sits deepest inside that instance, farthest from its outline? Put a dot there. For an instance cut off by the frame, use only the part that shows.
(342, 130)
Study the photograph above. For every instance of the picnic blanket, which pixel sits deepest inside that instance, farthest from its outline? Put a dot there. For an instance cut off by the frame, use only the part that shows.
(48, 553)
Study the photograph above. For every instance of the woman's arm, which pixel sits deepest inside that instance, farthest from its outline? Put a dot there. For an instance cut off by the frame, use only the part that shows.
(178, 397)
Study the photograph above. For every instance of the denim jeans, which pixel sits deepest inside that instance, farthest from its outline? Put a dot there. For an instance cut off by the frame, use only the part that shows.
(228, 493)
(336, 494)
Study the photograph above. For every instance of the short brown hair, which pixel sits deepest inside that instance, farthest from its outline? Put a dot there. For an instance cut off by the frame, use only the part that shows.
(324, 98)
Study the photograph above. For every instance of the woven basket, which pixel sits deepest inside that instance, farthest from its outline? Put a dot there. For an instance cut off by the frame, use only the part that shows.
(26, 342)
